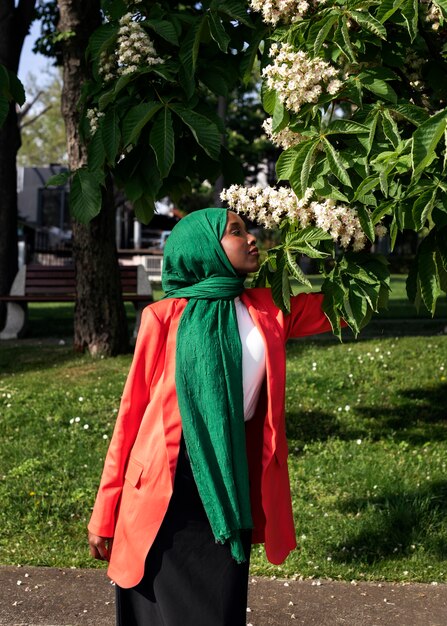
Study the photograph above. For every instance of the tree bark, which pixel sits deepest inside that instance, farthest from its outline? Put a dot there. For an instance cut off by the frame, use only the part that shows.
(14, 26)
(100, 323)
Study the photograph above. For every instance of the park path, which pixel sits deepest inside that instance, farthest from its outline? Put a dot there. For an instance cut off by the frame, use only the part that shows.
(39, 596)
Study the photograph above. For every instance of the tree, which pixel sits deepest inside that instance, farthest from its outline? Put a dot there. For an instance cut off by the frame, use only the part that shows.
(357, 96)
(100, 319)
(14, 26)
(41, 123)
(143, 120)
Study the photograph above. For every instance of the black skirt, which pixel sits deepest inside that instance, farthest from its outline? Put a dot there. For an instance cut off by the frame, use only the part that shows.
(189, 579)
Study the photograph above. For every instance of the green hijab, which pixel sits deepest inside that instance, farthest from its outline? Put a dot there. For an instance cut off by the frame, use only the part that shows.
(208, 372)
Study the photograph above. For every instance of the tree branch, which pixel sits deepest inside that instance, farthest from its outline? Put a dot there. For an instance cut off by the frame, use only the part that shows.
(33, 119)
(25, 109)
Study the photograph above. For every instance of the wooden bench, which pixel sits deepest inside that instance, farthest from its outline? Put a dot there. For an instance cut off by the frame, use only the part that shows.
(53, 283)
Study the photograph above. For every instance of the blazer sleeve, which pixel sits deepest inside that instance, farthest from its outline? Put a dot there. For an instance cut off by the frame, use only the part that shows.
(135, 398)
(306, 316)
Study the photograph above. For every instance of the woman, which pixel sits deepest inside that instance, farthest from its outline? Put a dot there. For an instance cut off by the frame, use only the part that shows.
(197, 466)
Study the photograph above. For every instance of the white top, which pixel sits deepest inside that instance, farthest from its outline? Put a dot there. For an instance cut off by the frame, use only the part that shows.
(253, 358)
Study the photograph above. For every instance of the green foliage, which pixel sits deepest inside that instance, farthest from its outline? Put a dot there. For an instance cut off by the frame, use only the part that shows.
(160, 103)
(11, 90)
(376, 144)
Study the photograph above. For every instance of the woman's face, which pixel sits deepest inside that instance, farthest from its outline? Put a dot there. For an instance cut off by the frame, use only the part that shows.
(239, 245)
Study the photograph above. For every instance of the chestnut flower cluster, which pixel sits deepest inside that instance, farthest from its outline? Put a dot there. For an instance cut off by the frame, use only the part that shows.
(286, 11)
(93, 116)
(432, 13)
(269, 207)
(134, 49)
(298, 78)
(284, 138)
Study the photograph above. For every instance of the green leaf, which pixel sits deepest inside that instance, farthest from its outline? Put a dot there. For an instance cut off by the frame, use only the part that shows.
(122, 82)
(218, 32)
(441, 244)
(164, 29)
(372, 132)
(326, 190)
(296, 270)
(281, 285)
(96, 151)
(442, 274)
(331, 311)
(367, 185)
(358, 305)
(134, 188)
(425, 140)
(409, 11)
(85, 195)
(285, 164)
(189, 50)
(387, 8)
(307, 166)
(106, 99)
(410, 112)
(348, 50)
(368, 22)
(428, 275)
(111, 136)
(188, 55)
(336, 164)
(346, 127)
(205, 132)
(296, 179)
(310, 234)
(423, 207)
(377, 86)
(162, 141)
(269, 100)
(251, 53)
(235, 10)
(16, 89)
(101, 38)
(443, 5)
(360, 273)
(58, 180)
(136, 119)
(324, 28)
(366, 222)
(144, 209)
(280, 117)
(371, 293)
(390, 128)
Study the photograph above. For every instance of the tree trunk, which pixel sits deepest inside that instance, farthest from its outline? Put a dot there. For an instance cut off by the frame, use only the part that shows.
(14, 25)
(100, 323)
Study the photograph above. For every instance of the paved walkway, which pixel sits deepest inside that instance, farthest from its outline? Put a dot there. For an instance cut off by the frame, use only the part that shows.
(39, 596)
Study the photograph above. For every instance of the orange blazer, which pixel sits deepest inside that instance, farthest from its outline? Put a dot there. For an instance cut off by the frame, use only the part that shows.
(139, 469)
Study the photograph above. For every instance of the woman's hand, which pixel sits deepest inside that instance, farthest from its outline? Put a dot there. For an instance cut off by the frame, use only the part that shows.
(100, 547)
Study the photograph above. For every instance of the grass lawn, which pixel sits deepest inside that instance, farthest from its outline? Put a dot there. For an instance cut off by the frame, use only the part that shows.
(367, 433)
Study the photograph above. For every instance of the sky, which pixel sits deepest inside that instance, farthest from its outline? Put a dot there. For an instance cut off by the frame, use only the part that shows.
(30, 62)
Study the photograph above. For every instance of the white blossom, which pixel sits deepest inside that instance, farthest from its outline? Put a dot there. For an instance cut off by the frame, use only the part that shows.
(269, 207)
(298, 78)
(93, 116)
(134, 49)
(285, 138)
(432, 13)
(285, 11)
